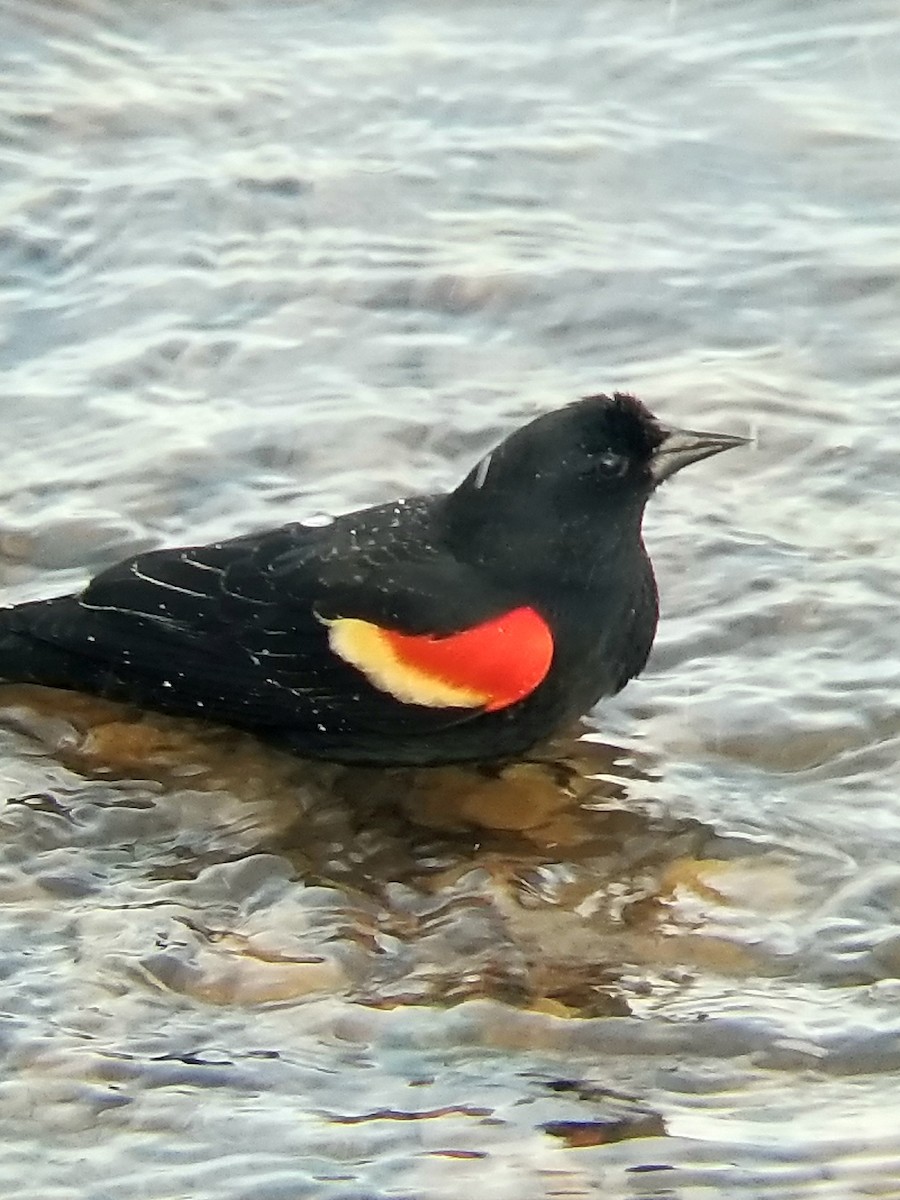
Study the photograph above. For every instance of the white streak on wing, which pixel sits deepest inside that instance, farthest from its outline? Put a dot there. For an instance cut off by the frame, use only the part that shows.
(126, 612)
(129, 612)
(171, 587)
(201, 566)
(482, 469)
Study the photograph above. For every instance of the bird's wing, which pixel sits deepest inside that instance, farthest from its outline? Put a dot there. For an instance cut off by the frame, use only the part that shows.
(276, 630)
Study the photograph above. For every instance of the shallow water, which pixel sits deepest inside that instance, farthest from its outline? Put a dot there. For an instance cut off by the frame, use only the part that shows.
(260, 261)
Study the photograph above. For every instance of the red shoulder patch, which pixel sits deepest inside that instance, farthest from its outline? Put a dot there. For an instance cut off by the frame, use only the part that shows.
(490, 666)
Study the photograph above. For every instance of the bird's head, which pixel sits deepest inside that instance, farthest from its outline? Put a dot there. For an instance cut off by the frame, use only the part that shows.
(573, 478)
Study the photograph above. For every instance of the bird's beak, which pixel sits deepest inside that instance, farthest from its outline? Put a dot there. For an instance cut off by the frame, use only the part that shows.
(681, 447)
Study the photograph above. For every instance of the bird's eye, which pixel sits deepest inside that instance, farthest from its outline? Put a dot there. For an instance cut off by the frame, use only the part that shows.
(610, 464)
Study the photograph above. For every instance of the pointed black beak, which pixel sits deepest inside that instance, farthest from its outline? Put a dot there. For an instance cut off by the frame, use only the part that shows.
(681, 447)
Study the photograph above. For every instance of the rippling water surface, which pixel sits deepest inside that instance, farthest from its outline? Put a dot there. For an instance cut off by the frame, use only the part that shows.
(264, 260)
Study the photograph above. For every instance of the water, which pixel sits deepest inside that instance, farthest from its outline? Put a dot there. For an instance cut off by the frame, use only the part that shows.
(263, 261)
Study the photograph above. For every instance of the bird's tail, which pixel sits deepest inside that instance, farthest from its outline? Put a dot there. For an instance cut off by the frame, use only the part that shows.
(27, 658)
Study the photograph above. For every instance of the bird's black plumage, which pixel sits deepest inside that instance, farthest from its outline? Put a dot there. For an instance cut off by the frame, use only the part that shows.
(241, 631)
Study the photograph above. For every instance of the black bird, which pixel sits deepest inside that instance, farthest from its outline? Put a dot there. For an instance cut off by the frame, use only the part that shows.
(437, 629)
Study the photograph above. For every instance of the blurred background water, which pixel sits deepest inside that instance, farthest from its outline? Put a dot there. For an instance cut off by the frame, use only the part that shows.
(261, 260)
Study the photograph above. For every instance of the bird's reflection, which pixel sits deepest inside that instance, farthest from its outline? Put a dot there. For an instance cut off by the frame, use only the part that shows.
(542, 882)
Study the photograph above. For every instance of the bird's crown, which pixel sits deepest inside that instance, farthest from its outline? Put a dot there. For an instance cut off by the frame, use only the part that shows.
(621, 420)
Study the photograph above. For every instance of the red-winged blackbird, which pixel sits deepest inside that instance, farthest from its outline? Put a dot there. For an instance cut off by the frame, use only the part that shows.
(436, 629)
